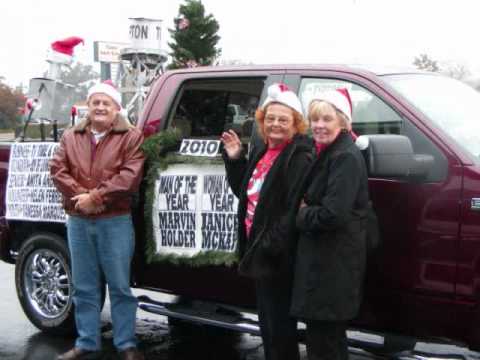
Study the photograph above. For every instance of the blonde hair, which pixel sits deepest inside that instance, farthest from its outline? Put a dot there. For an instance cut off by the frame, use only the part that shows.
(318, 107)
(299, 122)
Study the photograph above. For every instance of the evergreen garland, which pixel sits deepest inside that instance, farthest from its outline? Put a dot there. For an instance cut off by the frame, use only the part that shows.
(158, 152)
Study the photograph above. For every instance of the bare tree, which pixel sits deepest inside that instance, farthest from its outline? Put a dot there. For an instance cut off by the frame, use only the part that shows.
(424, 62)
(11, 102)
(452, 69)
(456, 70)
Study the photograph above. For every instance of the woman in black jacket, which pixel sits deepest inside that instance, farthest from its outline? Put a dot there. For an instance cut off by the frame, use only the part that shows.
(268, 188)
(331, 251)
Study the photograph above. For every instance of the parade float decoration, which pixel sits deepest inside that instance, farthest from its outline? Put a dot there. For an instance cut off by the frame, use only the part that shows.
(49, 100)
(31, 194)
(190, 210)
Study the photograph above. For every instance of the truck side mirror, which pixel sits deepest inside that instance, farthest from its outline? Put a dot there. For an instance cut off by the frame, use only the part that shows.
(392, 156)
(389, 155)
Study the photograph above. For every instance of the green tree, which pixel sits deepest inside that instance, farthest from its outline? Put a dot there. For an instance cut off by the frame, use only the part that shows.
(194, 39)
(424, 62)
(11, 105)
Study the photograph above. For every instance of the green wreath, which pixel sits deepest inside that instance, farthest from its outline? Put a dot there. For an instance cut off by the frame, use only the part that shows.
(158, 150)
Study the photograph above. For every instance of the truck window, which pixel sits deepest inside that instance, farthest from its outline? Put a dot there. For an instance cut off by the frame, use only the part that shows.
(206, 108)
(370, 114)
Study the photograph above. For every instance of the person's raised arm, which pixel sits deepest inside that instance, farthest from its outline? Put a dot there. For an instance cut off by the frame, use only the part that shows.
(235, 160)
(231, 144)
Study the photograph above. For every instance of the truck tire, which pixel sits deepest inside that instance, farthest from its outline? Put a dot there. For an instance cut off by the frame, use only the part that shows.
(43, 279)
(44, 283)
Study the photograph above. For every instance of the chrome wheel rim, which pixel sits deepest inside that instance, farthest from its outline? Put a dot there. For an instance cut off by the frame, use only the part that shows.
(47, 283)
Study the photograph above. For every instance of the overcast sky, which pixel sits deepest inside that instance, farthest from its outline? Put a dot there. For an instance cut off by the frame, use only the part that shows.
(387, 32)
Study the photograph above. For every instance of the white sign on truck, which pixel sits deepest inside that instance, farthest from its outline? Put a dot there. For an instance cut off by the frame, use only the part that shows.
(31, 194)
(194, 210)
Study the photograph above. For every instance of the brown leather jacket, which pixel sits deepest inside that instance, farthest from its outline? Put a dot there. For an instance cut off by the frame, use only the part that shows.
(111, 171)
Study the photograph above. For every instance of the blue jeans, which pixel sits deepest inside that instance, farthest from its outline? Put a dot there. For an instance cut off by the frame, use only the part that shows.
(102, 246)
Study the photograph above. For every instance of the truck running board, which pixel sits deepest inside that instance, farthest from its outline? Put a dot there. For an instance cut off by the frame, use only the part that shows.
(359, 342)
(218, 316)
(224, 317)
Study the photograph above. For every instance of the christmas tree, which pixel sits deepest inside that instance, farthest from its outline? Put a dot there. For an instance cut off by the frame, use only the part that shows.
(194, 37)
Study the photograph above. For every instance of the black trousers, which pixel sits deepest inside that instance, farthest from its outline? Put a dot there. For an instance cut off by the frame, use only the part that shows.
(279, 330)
(327, 340)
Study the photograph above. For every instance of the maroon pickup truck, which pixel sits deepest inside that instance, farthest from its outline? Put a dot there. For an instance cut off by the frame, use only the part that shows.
(424, 176)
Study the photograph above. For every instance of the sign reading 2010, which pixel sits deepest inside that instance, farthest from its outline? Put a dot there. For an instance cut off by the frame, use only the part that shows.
(194, 210)
(199, 147)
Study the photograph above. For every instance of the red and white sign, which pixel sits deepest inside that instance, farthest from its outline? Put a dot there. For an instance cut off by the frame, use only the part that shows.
(108, 52)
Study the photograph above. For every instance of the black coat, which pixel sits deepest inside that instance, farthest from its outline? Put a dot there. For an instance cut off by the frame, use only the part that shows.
(331, 251)
(269, 251)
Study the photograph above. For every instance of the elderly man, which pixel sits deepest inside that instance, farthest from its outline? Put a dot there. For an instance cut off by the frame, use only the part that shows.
(97, 168)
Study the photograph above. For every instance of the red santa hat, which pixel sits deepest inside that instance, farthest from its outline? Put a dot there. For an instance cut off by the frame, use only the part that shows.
(66, 46)
(280, 93)
(108, 88)
(339, 98)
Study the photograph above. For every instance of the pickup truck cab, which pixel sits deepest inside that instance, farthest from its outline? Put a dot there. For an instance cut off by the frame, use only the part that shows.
(424, 183)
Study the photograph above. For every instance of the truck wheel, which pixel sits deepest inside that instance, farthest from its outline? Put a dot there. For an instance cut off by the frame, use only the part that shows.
(44, 283)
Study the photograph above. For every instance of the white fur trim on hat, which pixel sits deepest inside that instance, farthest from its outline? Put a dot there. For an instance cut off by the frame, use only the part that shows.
(59, 58)
(107, 89)
(280, 93)
(340, 98)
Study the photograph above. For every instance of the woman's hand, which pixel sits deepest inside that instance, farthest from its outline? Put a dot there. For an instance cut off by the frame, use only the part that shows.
(232, 144)
(302, 204)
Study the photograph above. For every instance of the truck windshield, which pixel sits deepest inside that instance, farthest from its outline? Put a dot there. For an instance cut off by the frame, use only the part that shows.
(450, 104)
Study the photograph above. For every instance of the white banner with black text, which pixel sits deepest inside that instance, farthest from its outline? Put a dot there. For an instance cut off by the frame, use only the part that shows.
(31, 194)
(194, 210)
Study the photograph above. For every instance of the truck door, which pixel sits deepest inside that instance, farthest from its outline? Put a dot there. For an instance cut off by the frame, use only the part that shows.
(200, 108)
(413, 276)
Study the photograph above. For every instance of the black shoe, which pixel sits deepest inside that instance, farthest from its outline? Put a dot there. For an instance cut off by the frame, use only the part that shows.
(77, 353)
(131, 354)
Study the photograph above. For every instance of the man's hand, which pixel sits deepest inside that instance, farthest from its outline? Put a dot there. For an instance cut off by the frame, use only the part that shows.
(232, 144)
(85, 204)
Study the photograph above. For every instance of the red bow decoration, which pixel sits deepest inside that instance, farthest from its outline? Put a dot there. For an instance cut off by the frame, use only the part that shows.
(151, 128)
